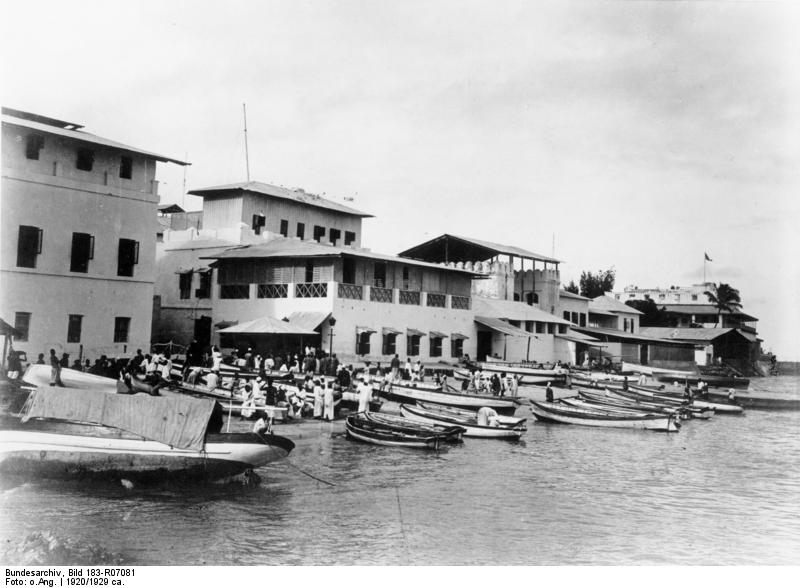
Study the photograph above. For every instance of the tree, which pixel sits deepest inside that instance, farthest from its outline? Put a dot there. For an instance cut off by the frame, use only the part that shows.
(593, 285)
(724, 298)
(652, 315)
(572, 287)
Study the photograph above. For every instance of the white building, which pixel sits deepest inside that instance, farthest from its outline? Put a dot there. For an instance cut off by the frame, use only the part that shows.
(77, 239)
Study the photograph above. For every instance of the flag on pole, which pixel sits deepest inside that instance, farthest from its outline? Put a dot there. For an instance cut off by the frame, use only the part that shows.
(707, 257)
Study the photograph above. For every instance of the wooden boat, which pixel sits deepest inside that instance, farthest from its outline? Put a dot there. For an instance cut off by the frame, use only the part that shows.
(413, 394)
(716, 381)
(561, 413)
(635, 368)
(526, 373)
(453, 434)
(362, 429)
(71, 432)
(684, 406)
(670, 392)
(507, 428)
(757, 399)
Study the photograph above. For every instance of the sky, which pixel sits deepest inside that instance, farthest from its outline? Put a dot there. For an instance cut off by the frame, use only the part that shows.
(635, 135)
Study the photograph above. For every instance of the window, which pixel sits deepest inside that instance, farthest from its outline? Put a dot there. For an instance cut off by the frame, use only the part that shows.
(319, 233)
(185, 285)
(540, 327)
(574, 318)
(349, 237)
(74, 328)
(456, 347)
(436, 346)
(529, 298)
(412, 345)
(583, 319)
(126, 167)
(22, 322)
(127, 257)
(562, 329)
(204, 290)
(379, 279)
(259, 221)
(122, 325)
(234, 291)
(82, 252)
(29, 245)
(566, 315)
(334, 235)
(362, 343)
(85, 160)
(406, 280)
(301, 230)
(284, 227)
(33, 144)
(349, 270)
(389, 344)
(309, 271)
(694, 296)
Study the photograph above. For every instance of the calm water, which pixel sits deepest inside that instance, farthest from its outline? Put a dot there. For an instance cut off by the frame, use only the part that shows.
(724, 491)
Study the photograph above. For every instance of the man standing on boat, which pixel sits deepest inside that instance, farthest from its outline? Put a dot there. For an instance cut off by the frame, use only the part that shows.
(364, 393)
(395, 367)
(319, 399)
(55, 370)
(328, 401)
(548, 393)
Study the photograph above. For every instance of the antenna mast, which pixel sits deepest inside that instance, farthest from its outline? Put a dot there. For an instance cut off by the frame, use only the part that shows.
(246, 153)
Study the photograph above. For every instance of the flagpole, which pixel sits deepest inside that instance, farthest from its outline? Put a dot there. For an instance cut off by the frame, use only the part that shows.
(704, 268)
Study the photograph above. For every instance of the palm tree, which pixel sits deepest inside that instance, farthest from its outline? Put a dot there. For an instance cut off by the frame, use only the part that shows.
(724, 297)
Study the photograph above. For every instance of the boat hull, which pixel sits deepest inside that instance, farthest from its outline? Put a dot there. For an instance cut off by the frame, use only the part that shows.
(424, 416)
(57, 455)
(465, 401)
(554, 415)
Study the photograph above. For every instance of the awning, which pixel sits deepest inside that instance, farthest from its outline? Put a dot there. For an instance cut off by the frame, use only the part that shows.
(502, 327)
(308, 319)
(268, 325)
(435, 334)
(391, 331)
(414, 333)
(6, 329)
(225, 324)
(360, 330)
(577, 338)
(457, 336)
(749, 336)
(187, 270)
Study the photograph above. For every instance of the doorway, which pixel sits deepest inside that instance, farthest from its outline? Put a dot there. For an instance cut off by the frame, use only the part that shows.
(484, 345)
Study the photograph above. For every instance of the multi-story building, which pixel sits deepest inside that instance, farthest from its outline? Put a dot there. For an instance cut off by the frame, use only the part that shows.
(77, 249)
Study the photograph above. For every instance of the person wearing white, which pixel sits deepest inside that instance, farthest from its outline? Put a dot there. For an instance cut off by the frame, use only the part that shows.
(408, 368)
(487, 417)
(212, 380)
(166, 368)
(328, 402)
(364, 393)
(319, 400)
(417, 371)
(216, 358)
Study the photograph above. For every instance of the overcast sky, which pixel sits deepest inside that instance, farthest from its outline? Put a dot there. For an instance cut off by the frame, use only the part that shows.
(637, 135)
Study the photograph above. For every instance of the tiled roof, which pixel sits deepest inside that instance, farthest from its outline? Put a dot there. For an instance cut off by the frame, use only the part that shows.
(296, 195)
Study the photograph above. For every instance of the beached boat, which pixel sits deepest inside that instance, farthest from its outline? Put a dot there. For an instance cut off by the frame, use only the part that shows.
(716, 381)
(507, 427)
(526, 373)
(757, 399)
(362, 429)
(73, 432)
(561, 413)
(400, 393)
(453, 434)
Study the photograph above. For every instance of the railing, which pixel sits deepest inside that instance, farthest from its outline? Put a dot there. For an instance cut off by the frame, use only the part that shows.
(437, 300)
(409, 297)
(351, 291)
(459, 302)
(311, 290)
(273, 291)
(377, 294)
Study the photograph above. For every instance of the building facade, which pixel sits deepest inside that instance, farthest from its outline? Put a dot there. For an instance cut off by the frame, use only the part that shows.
(78, 238)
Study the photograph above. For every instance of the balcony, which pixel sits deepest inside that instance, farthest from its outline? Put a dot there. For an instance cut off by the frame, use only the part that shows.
(436, 300)
(273, 291)
(409, 297)
(351, 291)
(459, 302)
(311, 290)
(377, 294)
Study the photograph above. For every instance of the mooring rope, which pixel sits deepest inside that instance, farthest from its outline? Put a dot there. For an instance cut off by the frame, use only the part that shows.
(311, 475)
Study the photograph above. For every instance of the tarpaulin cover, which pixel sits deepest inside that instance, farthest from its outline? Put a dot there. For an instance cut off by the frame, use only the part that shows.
(177, 421)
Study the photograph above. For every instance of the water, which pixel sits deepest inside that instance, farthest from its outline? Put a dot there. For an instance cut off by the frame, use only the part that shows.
(720, 492)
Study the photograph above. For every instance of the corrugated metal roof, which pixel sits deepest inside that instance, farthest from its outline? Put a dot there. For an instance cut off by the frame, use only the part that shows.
(308, 319)
(502, 327)
(493, 249)
(513, 311)
(702, 309)
(296, 195)
(625, 336)
(684, 334)
(268, 325)
(607, 303)
(288, 247)
(565, 294)
(221, 244)
(86, 138)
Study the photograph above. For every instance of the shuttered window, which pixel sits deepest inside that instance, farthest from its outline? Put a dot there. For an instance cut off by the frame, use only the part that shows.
(82, 252)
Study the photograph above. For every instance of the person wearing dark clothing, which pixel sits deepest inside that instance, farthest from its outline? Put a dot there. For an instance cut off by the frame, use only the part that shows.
(76, 365)
(548, 393)
(272, 393)
(55, 370)
(344, 378)
(625, 384)
(495, 384)
(40, 360)
(64, 360)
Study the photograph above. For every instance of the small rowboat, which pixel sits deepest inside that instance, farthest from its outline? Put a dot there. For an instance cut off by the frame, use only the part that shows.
(453, 433)
(507, 427)
(412, 394)
(362, 429)
(562, 413)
